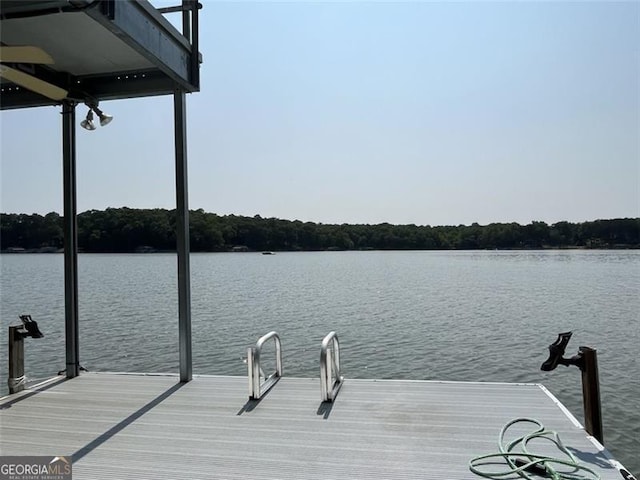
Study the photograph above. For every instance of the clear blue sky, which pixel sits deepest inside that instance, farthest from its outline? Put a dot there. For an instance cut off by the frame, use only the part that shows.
(368, 112)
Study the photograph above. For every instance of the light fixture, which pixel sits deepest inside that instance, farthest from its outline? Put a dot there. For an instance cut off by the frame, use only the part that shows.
(88, 124)
(104, 118)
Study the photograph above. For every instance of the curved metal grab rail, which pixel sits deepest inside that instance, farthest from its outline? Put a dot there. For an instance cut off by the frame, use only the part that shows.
(330, 377)
(256, 387)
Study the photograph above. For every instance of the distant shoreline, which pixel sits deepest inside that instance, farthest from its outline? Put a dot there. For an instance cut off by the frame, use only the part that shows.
(127, 230)
(515, 249)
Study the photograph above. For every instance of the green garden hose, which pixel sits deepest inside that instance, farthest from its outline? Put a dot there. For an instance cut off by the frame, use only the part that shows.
(530, 465)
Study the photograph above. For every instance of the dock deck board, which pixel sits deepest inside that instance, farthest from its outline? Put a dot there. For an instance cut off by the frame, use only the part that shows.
(152, 427)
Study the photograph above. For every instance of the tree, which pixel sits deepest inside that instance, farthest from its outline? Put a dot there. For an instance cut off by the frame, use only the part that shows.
(125, 230)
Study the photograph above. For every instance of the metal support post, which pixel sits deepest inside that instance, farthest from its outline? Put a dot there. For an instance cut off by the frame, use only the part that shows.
(182, 237)
(195, 45)
(190, 30)
(591, 392)
(186, 19)
(70, 239)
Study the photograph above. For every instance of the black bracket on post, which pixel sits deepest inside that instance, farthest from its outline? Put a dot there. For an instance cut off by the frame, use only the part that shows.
(29, 328)
(587, 361)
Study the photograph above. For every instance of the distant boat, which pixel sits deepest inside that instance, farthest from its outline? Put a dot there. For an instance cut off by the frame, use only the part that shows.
(268, 253)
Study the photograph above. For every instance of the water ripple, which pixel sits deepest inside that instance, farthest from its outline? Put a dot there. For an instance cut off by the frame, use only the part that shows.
(485, 316)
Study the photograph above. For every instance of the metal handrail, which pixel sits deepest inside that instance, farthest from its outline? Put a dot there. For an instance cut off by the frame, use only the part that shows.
(256, 387)
(330, 376)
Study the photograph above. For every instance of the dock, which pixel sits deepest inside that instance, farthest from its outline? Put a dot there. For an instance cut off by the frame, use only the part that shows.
(155, 427)
(185, 426)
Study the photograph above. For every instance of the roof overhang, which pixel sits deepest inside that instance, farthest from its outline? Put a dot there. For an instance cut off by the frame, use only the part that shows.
(102, 49)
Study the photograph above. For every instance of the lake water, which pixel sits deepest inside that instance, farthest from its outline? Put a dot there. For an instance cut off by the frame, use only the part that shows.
(453, 315)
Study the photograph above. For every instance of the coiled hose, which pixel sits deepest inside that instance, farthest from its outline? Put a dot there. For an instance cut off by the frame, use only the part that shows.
(524, 462)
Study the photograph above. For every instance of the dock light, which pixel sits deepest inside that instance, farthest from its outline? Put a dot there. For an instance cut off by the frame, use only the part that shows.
(104, 118)
(88, 124)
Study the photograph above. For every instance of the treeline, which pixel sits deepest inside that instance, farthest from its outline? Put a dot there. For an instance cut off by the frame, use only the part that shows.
(131, 230)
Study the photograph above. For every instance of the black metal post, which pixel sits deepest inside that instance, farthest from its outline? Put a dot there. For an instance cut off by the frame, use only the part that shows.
(186, 24)
(190, 30)
(182, 236)
(70, 239)
(195, 45)
(591, 393)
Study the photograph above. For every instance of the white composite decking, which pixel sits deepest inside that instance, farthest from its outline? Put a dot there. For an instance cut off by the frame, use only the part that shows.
(128, 426)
